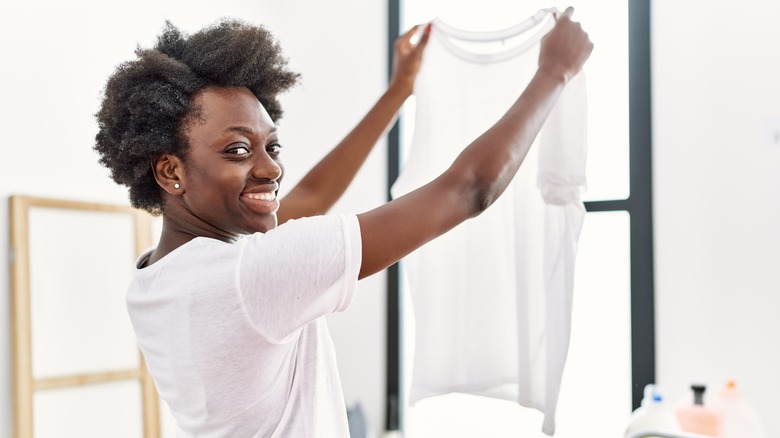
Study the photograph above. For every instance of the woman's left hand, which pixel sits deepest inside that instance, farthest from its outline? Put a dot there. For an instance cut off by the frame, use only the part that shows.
(408, 58)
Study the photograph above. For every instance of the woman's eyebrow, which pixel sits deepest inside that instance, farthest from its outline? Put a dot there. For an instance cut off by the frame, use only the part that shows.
(247, 130)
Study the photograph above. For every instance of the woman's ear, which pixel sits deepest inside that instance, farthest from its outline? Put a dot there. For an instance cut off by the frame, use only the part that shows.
(167, 171)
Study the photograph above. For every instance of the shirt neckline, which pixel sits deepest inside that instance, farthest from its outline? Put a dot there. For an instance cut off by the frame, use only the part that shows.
(141, 265)
(445, 34)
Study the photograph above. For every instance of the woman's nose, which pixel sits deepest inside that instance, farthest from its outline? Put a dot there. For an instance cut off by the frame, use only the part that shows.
(267, 168)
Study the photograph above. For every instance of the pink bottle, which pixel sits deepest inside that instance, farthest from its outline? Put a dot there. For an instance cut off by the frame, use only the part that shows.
(697, 418)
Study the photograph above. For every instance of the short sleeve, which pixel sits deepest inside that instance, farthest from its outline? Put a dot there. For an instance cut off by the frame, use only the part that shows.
(298, 272)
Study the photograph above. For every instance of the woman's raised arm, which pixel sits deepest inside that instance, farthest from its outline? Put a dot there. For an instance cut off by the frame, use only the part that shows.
(324, 184)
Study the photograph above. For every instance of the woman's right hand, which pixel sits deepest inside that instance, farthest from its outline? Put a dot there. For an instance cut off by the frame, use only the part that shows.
(565, 48)
(408, 58)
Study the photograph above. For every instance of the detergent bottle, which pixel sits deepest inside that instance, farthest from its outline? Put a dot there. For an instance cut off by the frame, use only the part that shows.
(696, 417)
(653, 415)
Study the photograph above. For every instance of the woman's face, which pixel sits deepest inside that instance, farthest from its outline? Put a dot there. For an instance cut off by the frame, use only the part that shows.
(232, 169)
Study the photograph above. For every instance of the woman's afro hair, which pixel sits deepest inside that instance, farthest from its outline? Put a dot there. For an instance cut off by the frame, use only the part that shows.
(148, 101)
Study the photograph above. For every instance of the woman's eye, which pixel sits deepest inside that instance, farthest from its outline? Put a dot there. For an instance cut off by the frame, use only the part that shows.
(274, 149)
(238, 150)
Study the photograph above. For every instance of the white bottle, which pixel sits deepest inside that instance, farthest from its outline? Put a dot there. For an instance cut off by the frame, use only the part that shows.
(653, 415)
(740, 419)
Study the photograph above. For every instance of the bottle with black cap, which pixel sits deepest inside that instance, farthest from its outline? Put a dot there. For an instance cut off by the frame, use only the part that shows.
(696, 417)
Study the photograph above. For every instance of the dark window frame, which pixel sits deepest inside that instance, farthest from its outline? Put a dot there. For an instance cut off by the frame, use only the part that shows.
(639, 206)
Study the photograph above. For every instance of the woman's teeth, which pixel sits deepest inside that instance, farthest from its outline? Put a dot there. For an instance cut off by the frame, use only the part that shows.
(261, 196)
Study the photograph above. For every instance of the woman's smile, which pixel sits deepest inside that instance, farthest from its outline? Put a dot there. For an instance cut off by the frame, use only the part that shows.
(263, 202)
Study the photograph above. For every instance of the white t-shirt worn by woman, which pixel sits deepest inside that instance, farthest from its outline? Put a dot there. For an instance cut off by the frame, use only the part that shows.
(234, 334)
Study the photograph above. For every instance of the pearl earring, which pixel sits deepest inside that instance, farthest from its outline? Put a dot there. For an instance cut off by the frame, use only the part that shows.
(176, 186)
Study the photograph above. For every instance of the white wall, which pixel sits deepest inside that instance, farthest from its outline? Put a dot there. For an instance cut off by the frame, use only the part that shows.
(716, 96)
(56, 58)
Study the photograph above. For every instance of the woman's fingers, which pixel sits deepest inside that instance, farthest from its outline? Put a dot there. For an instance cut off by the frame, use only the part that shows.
(424, 38)
(410, 33)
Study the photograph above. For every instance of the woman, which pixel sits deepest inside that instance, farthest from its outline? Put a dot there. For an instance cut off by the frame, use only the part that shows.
(228, 309)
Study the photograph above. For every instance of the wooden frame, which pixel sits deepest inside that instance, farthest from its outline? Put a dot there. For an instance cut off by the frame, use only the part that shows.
(25, 384)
